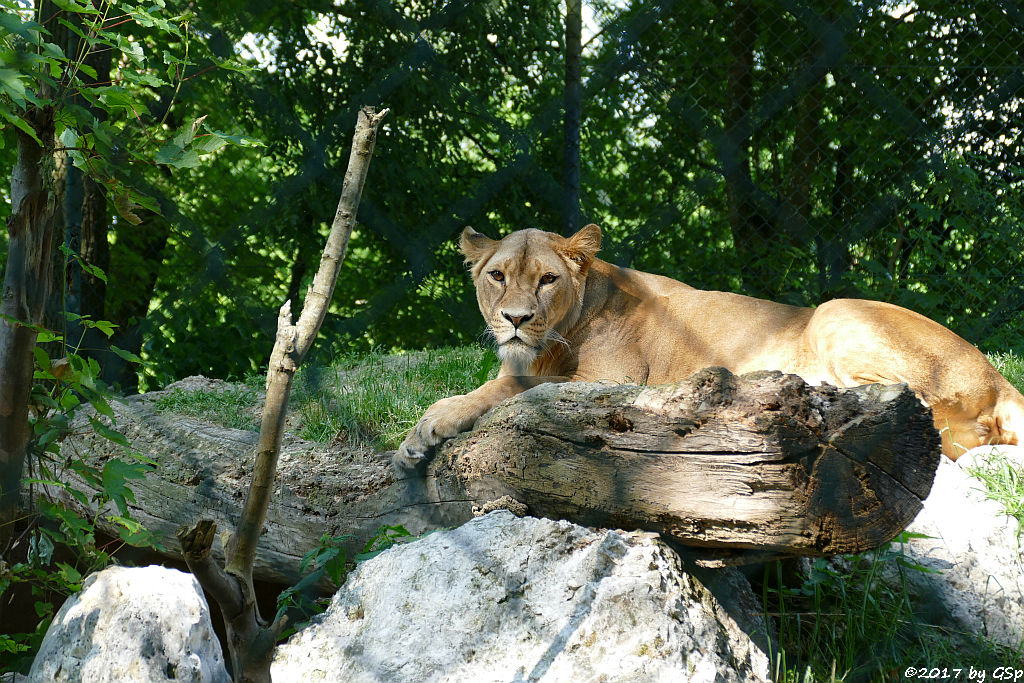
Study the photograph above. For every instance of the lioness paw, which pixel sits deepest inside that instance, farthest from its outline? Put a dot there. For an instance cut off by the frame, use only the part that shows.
(408, 455)
(443, 420)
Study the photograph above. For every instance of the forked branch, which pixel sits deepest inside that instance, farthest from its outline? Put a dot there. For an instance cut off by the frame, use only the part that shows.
(250, 640)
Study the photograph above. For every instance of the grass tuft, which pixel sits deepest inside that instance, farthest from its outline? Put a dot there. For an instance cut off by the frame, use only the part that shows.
(230, 407)
(854, 619)
(374, 399)
(1004, 483)
(1010, 366)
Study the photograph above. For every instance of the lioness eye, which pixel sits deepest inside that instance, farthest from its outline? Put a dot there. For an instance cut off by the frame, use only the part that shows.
(548, 278)
(497, 275)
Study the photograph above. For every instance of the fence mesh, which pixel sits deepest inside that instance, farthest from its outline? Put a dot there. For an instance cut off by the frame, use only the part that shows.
(791, 150)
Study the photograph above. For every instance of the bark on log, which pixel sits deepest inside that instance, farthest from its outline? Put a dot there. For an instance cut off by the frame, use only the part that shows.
(733, 466)
(762, 462)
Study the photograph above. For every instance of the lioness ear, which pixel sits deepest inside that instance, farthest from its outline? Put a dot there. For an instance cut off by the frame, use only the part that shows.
(475, 246)
(583, 246)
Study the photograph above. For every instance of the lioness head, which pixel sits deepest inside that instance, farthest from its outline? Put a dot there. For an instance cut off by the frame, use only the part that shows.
(529, 286)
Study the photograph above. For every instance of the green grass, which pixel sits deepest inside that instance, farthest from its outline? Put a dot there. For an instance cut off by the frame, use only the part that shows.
(850, 625)
(231, 407)
(369, 399)
(374, 399)
(1010, 366)
(1004, 483)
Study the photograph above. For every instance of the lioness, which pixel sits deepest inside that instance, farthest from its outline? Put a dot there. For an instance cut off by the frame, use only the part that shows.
(560, 314)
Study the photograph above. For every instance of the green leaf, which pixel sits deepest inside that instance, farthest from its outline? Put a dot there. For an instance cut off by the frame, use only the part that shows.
(114, 98)
(127, 523)
(87, 70)
(41, 357)
(53, 51)
(28, 30)
(167, 153)
(189, 159)
(45, 482)
(40, 549)
(131, 49)
(69, 138)
(70, 401)
(76, 7)
(172, 154)
(207, 143)
(116, 473)
(21, 124)
(45, 336)
(87, 472)
(125, 208)
(108, 433)
(187, 133)
(232, 64)
(127, 355)
(141, 78)
(9, 645)
(74, 29)
(100, 404)
(10, 82)
(69, 573)
(241, 140)
(104, 326)
(47, 438)
(97, 273)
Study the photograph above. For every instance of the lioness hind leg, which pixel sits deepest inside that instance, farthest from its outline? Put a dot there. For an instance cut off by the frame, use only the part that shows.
(999, 423)
(1009, 415)
(961, 433)
(858, 342)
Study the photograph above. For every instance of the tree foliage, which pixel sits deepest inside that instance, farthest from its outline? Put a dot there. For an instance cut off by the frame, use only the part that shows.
(797, 150)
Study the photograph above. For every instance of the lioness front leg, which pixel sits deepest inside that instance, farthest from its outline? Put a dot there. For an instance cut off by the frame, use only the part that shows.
(456, 414)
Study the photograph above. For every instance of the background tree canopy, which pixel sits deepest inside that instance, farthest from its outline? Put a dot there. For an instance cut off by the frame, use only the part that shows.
(794, 150)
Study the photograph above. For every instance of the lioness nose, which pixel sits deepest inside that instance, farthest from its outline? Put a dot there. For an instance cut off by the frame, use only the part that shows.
(517, 320)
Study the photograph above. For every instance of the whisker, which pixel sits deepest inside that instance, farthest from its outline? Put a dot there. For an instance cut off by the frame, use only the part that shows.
(488, 338)
(553, 336)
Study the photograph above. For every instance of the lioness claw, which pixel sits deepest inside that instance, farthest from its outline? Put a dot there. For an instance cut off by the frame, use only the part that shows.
(406, 458)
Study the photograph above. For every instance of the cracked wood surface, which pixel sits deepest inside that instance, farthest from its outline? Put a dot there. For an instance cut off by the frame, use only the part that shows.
(761, 462)
(737, 467)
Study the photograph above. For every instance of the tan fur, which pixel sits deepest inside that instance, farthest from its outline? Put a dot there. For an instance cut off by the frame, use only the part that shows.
(597, 321)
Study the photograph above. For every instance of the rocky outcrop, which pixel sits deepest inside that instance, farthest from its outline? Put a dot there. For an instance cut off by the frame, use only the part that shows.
(140, 624)
(504, 598)
(974, 547)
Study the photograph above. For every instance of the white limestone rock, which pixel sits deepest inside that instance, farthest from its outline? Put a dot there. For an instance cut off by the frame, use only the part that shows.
(132, 624)
(975, 548)
(509, 599)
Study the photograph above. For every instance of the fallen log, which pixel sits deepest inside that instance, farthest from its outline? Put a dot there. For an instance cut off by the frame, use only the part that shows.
(759, 462)
(735, 467)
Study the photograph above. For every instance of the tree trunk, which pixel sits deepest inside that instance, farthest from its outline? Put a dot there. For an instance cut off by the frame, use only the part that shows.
(734, 467)
(750, 217)
(573, 116)
(760, 462)
(135, 265)
(27, 283)
(95, 246)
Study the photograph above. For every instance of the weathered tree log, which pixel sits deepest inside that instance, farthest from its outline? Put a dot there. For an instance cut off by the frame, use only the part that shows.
(729, 465)
(762, 462)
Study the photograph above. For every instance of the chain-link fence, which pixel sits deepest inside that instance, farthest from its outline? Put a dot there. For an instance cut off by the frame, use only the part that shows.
(792, 150)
